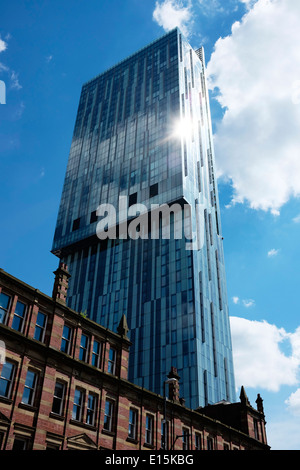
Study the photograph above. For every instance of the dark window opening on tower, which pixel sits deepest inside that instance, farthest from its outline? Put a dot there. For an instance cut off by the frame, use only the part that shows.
(93, 217)
(154, 190)
(132, 199)
(76, 224)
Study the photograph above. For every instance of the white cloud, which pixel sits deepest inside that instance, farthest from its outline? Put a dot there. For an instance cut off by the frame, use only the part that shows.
(283, 432)
(272, 253)
(248, 303)
(248, 3)
(255, 71)
(211, 7)
(3, 68)
(15, 80)
(296, 219)
(258, 360)
(173, 13)
(3, 45)
(293, 403)
(19, 110)
(295, 343)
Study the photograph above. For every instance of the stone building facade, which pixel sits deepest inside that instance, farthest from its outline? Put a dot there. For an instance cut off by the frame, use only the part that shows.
(64, 385)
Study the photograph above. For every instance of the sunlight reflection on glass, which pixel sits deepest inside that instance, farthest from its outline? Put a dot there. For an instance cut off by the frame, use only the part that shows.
(183, 128)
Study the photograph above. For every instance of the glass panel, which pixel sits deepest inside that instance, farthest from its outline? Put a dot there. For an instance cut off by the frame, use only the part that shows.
(149, 429)
(108, 415)
(5, 379)
(40, 326)
(132, 424)
(65, 343)
(91, 409)
(28, 394)
(58, 398)
(83, 347)
(4, 301)
(96, 354)
(77, 408)
(112, 361)
(19, 315)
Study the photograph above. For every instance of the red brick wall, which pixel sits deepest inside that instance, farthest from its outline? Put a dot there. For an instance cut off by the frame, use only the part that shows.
(39, 423)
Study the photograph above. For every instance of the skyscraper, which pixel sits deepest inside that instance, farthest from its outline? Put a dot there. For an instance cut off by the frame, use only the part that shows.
(143, 142)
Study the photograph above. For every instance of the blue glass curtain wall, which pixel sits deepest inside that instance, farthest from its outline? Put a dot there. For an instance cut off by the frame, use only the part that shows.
(143, 131)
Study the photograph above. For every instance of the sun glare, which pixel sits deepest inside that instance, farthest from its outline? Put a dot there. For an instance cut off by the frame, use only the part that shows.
(183, 128)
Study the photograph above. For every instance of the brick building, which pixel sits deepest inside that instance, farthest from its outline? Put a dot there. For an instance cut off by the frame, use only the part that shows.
(63, 385)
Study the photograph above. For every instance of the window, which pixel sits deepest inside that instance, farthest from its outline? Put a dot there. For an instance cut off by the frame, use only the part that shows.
(256, 434)
(132, 199)
(29, 388)
(133, 177)
(78, 405)
(112, 361)
(91, 409)
(108, 415)
(58, 399)
(164, 435)
(40, 327)
(4, 306)
(133, 420)
(154, 190)
(93, 217)
(84, 344)
(96, 354)
(197, 441)
(1, 439)
(185, 439)
(210, 443)
(76, 224)
(53, 446)
(19, 316)
(20, 444)
(6, 379)
(149, 429)
(66, 340)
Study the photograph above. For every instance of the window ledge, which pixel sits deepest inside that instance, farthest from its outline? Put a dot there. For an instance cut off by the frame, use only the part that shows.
(83, 425)
(55, 416)
(133, 440)
(108, 433)
(6, 400)
(25, 406)
(149, 446)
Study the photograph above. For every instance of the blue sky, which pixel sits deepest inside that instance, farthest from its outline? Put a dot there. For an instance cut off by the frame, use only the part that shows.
(48, 49)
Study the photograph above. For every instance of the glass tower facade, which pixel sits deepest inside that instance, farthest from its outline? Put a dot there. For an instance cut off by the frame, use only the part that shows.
(143, 140)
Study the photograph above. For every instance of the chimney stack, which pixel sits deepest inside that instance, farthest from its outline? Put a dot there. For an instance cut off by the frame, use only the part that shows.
(174, 385)
(61, 282)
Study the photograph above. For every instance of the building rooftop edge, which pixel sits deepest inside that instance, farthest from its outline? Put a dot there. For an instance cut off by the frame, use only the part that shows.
(134, 53)
(131, 55)
(125, 382)
(61, 306)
